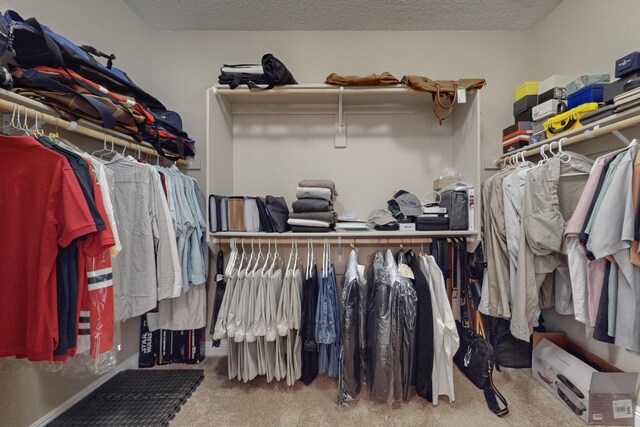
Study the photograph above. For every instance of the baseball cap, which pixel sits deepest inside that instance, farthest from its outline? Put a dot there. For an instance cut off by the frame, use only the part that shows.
(381, 217)
(409, 204)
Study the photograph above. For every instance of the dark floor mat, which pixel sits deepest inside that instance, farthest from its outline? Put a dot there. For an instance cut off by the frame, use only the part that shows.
(151, 384)
(134, 398)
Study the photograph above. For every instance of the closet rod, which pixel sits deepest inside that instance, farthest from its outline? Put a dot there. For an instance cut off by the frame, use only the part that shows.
(587, 134)
(9, 107)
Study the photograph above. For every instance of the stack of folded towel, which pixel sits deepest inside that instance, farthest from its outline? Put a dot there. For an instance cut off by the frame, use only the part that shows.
(313, 211)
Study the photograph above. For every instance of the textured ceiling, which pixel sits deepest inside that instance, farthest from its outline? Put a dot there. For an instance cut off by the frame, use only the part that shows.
(332, 15)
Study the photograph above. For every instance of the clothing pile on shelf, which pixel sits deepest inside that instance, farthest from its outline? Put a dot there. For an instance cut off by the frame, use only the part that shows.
(405, 206)
(382, 220)
(526, 211)
(313, 211)
(350, 222)
(110, 245)
(250, 214)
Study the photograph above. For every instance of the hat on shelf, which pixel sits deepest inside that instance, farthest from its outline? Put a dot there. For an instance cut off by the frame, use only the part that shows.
(381, 217)
(409, 204)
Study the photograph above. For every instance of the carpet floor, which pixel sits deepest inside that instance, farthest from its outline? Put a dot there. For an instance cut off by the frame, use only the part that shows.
(221, 402)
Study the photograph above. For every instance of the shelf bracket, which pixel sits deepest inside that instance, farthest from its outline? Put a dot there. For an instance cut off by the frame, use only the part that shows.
(341, 131)
(621, 137)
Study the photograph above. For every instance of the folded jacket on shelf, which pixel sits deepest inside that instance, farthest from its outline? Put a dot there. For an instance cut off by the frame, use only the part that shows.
(322, 183)
(311, 205)
(313, 193)
(329, 216)
(309, 223)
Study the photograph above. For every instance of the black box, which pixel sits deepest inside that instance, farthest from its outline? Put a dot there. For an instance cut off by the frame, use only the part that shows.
(515, 143)
(432, 223)
(525, 116)
(525, 103)
(614, 89)
(554, 93)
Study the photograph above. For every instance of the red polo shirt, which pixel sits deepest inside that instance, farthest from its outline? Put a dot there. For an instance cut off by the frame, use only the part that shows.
(41, 207)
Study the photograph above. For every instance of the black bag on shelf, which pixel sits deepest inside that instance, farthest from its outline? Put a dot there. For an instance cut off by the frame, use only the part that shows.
(457, 204)
(271, 72)
(266, 224)
(475, 358)
(278, 211)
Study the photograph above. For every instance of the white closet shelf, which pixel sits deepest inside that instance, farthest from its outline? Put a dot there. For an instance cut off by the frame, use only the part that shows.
(325, 94)
(620, 121)
(348, 234)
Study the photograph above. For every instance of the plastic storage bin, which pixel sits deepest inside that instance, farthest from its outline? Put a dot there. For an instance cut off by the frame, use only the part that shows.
(568, 120)
(526, 88)
(554, 81)
(586, 80)
(591, 93)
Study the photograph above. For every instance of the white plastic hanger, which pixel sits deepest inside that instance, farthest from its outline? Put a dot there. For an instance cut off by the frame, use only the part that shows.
(276, 256)
(242, 257)
(250, 256)
(266, 259)
(256, 266)
(290, 257)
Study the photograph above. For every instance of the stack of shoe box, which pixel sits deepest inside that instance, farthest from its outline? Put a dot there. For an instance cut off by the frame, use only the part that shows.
(518, 135)
(552, 100)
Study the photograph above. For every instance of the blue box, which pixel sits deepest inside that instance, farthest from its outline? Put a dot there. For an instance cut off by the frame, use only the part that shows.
(628, 64)
(591, 93)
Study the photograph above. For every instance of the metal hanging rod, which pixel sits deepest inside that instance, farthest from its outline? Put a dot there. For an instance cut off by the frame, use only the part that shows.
(613, 128)
(337, 241)
(9, 107)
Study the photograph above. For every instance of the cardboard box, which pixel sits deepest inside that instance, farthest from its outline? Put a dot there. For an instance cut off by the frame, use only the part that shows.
(605, 398)
(524, 104)
(554, 81)
(515, 143)
(559, 93)
(547, 109)
(516, 127)
(440, 183)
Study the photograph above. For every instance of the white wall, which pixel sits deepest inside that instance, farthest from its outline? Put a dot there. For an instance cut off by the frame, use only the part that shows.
(108, 25)
(186, 63)
(27, 393)
(562, 46)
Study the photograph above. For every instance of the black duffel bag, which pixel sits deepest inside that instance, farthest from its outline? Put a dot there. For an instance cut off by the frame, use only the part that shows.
(475, 358)
(271, 72)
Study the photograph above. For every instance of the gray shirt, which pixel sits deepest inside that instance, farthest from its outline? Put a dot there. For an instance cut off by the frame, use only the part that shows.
(146, 269)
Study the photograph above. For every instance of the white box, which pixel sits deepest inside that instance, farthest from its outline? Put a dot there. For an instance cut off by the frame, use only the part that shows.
(407, 226)
(556, 80)
(548, 109)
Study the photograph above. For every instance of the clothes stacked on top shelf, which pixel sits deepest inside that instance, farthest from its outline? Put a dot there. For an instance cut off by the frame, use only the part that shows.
(108, 251)
(313, 211)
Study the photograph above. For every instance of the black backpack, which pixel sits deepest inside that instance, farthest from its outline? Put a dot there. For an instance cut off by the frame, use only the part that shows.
(274, 73)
